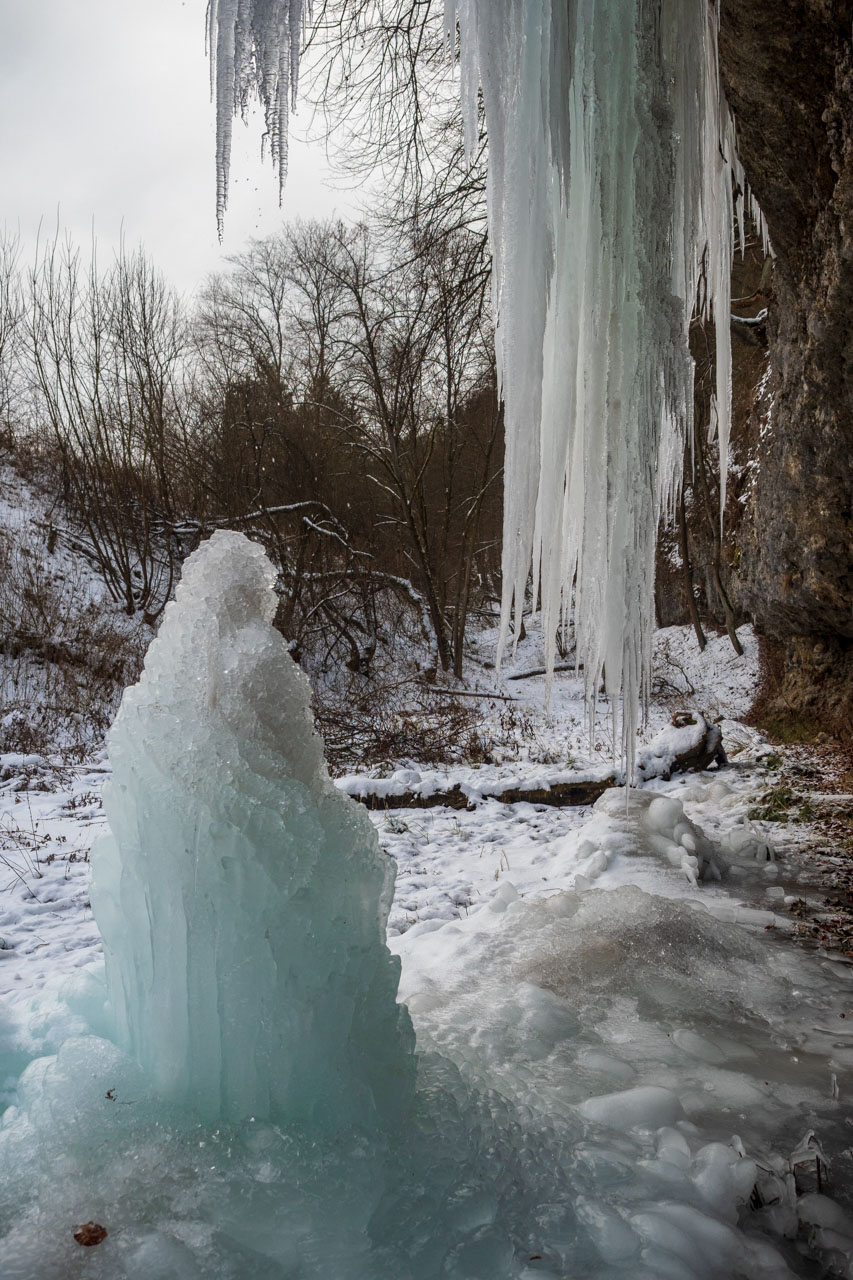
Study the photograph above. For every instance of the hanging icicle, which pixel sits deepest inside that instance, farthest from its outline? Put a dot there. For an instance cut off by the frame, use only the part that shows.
(611, 188)
(611, 154)
(254, 47)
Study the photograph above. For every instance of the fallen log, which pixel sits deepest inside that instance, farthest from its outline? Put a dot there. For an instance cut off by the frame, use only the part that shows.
(561, 794)
(692, 744)
(543, 671)
(464, 693)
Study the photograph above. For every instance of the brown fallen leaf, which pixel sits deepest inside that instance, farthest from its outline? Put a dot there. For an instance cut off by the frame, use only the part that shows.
(90, 1233)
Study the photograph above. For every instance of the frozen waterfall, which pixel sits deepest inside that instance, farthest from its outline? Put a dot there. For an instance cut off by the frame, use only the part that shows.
(611, 210)
(613, 191)
(609, 1082)
(241, 898)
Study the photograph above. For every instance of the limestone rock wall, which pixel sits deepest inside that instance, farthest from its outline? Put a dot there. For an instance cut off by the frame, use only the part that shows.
(788, 72)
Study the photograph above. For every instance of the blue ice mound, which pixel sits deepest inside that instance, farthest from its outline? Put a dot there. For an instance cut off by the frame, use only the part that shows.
(241, 898)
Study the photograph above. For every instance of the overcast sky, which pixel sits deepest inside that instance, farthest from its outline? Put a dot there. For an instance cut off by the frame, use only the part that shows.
(105, 117)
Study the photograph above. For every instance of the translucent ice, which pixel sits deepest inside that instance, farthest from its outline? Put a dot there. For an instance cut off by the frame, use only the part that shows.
(611, 1067)
(612, 215)
(600, 1075)
(242, 899)
(656, 826)
(611, 159)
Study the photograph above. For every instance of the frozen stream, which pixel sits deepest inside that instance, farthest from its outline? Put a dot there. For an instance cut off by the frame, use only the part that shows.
(619, 1070)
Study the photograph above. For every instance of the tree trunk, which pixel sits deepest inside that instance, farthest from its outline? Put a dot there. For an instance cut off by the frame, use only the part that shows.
(687, 569)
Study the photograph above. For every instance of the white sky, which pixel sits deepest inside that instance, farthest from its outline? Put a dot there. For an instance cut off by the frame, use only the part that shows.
(105, 117)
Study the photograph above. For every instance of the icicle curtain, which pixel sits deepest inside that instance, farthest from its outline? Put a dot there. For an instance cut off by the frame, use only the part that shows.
(254, 46)
(611, 155)
(612, 173)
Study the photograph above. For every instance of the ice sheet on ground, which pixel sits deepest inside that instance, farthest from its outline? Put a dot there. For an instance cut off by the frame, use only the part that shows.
(670, 1034)
(614, 1055)
(602, 1085)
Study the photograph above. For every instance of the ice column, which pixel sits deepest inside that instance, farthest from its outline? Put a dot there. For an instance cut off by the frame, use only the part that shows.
(243, 899)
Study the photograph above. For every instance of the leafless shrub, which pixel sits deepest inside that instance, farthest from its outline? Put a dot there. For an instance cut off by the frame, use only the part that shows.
(64, 657)
(671, 681)
(106, 356)
(373, 722)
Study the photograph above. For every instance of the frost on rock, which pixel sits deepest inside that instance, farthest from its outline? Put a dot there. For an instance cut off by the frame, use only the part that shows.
(611, 164)
(242, 899)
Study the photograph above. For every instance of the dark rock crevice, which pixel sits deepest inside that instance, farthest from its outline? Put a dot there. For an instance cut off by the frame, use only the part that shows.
(788, 74)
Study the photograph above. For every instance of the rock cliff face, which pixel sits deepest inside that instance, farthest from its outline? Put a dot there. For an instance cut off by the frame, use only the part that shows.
(788, 72)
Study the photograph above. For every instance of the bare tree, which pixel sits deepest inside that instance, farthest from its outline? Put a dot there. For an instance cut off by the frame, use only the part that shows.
(106, 353)
(380, 75)
(11, 326)
(415, 343)
(361, 381)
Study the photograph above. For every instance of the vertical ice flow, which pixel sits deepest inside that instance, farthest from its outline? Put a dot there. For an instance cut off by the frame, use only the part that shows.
(613, 189)
(242, 899)
(611, 160)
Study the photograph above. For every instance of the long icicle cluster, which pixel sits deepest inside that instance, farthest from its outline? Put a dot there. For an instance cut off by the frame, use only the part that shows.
(254, 47)
(613, 187)
(611, 165)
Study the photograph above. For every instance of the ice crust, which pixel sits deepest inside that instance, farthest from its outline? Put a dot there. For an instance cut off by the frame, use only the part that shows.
(669, 1035)
(655, 826)
(242, 899)
(602, 1084)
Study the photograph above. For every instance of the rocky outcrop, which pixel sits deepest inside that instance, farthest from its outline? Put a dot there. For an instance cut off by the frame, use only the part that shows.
(788, 73)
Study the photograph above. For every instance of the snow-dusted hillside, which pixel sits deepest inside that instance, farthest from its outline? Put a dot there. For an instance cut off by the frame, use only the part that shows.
(66, 648)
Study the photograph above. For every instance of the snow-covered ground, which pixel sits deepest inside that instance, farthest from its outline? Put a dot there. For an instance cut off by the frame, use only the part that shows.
(686, 1066)
(50, 811)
